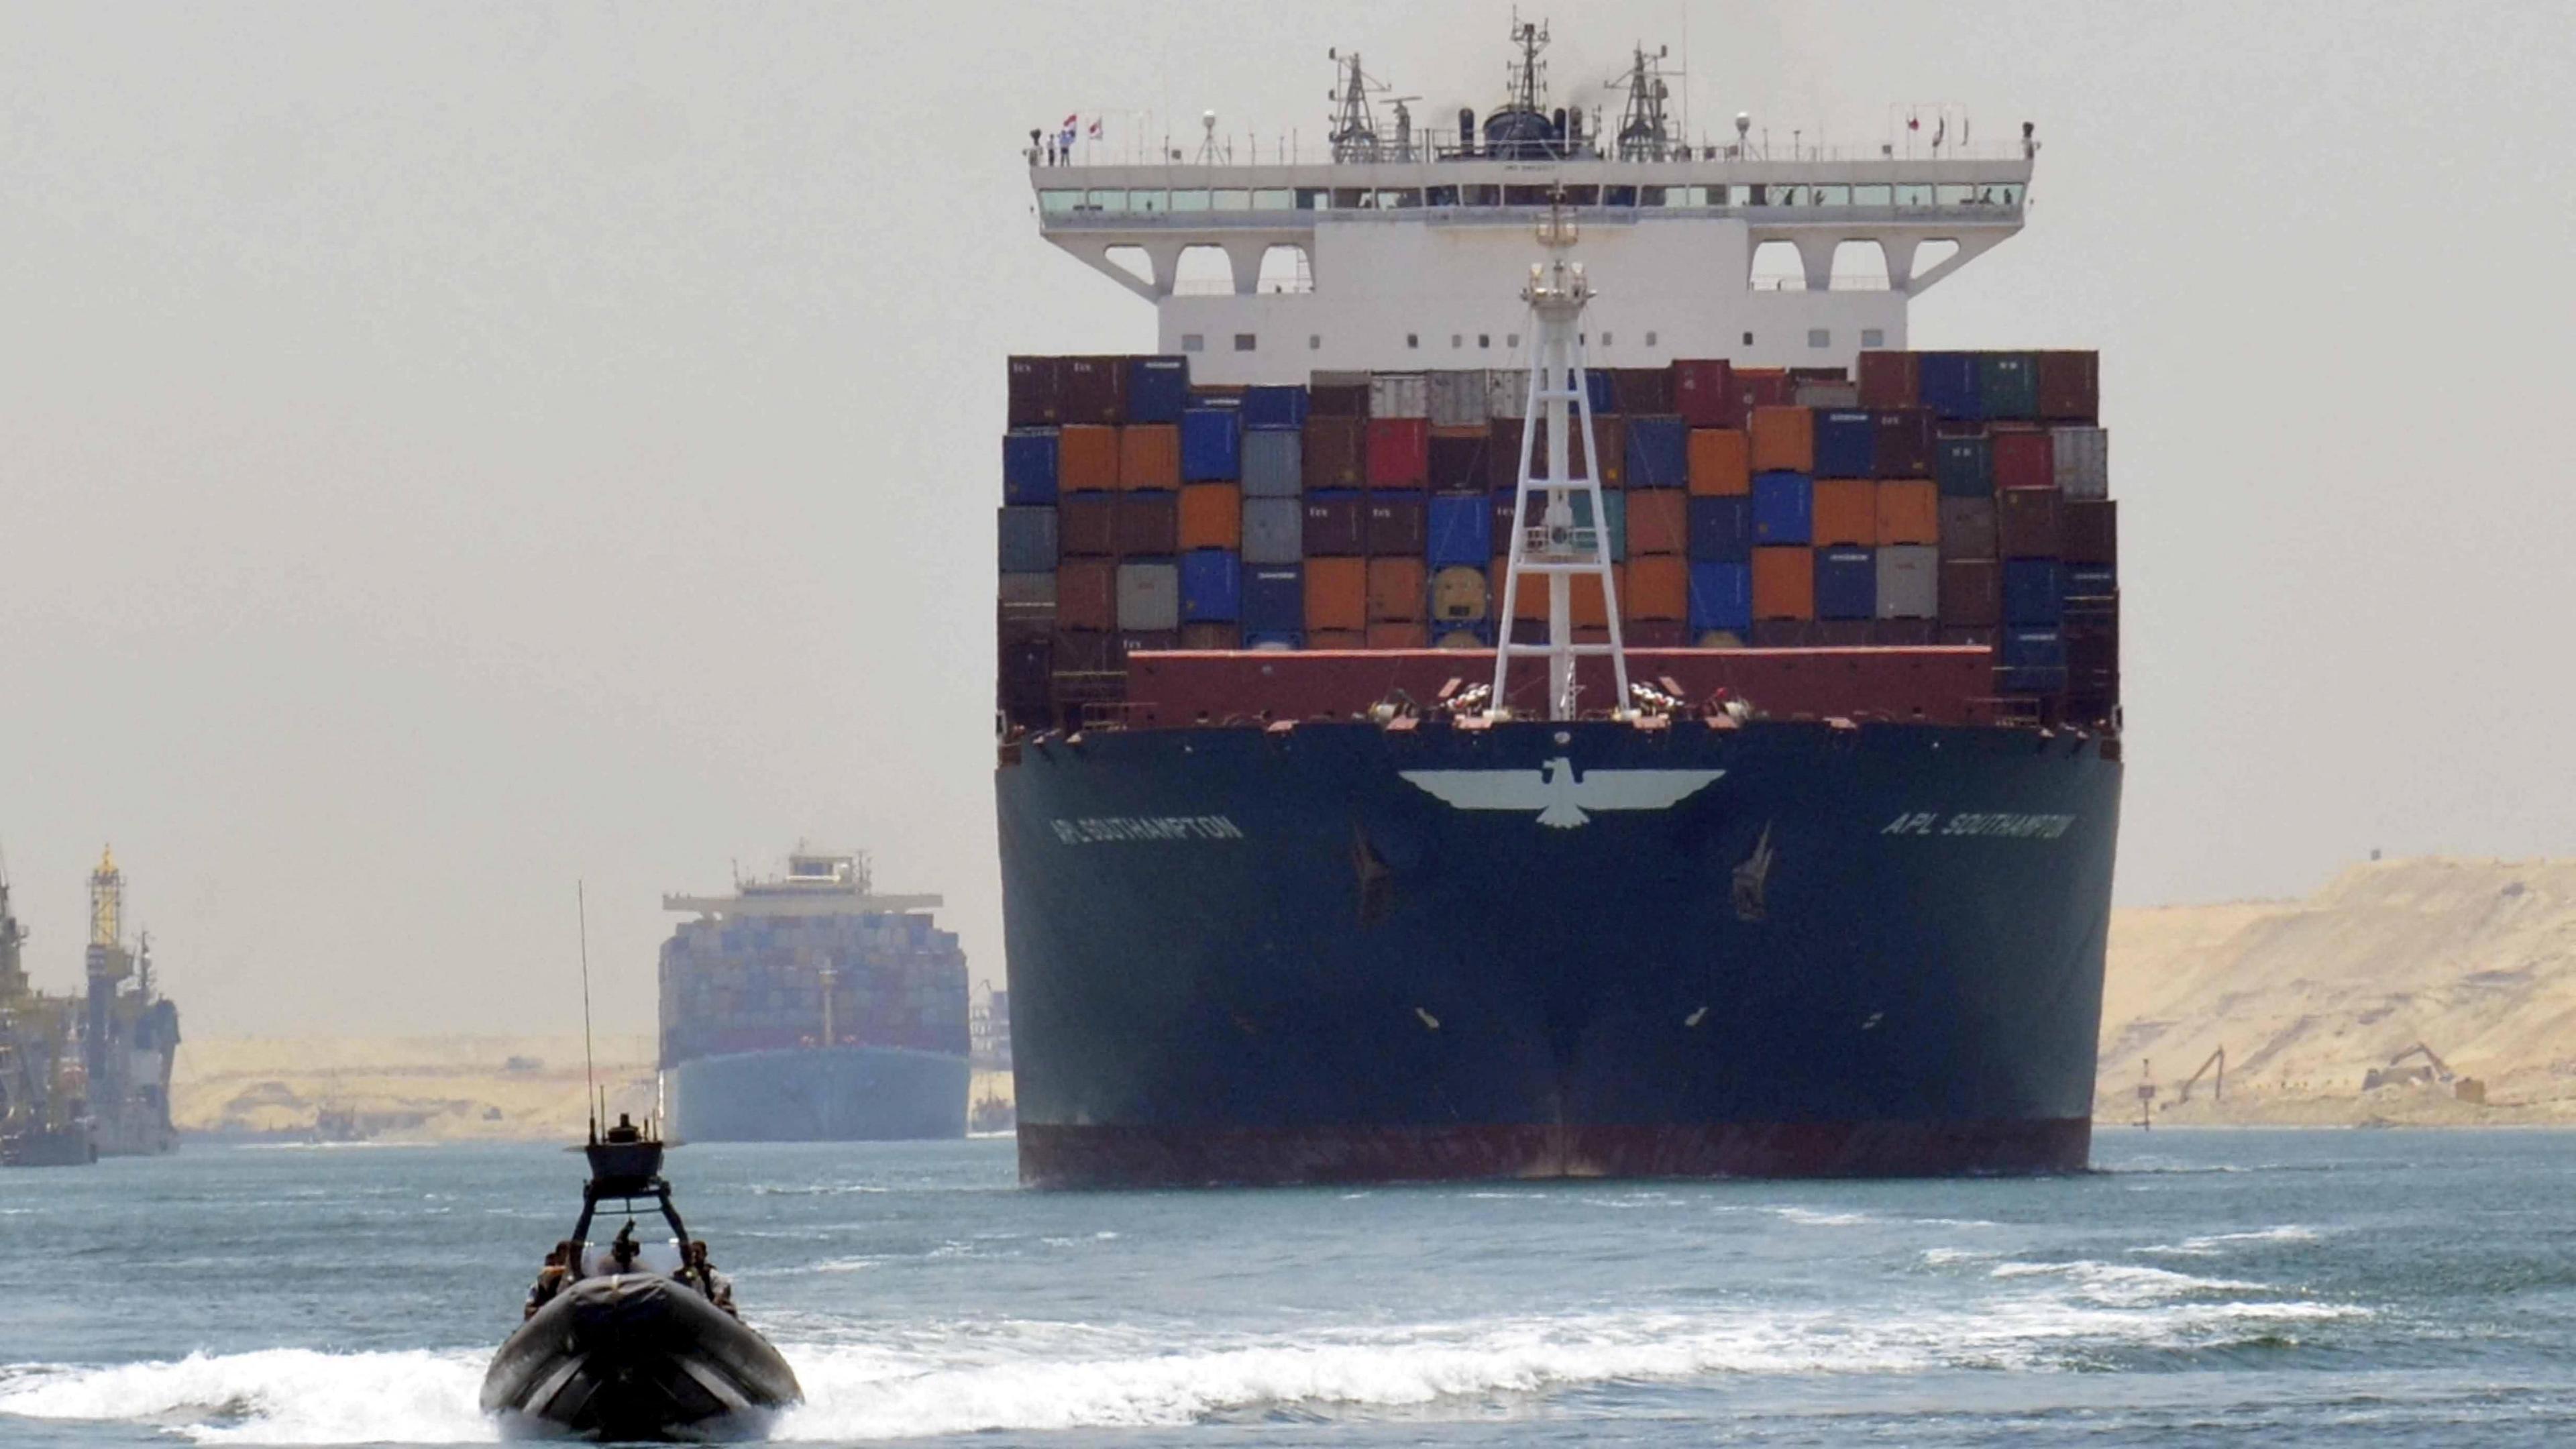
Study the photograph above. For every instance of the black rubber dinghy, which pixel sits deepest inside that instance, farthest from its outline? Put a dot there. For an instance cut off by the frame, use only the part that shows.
(636, 1356)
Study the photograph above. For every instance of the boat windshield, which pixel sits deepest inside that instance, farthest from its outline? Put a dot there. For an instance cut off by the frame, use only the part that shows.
(653, 1256)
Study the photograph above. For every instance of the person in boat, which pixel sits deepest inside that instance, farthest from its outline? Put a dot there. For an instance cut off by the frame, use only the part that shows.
(701, 1274)
(550, 1278)
(623, 1250)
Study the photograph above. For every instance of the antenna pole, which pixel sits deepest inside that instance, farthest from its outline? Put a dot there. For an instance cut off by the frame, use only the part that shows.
(589, 1068)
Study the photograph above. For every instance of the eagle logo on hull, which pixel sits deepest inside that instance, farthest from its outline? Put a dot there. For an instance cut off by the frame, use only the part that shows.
(1562, 799)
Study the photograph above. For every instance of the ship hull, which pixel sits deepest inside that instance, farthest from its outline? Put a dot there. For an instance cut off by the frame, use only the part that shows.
(1343, 953)
(815, 1094)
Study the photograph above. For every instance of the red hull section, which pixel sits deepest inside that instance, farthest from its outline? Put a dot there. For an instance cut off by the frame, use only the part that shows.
(1128, 1157)
(1937, 685)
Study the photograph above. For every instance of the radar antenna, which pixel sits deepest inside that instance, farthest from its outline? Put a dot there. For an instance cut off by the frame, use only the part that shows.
(589, 1071)
(1643, 133)
(1528, 75)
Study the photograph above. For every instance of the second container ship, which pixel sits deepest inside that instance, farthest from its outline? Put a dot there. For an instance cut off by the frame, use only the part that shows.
(809, 1008)
(1524, 683)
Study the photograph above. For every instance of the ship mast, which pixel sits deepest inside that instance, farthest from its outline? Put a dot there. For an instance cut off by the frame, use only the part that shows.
(1558, 547)
(1643, 134)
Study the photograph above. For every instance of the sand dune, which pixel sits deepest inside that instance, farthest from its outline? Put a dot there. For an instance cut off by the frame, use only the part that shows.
(2475, 959)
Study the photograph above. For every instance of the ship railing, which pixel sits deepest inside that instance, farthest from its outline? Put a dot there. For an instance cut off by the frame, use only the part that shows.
(1135, 146)
(1085, 216)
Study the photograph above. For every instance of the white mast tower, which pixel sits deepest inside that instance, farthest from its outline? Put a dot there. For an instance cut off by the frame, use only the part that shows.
(1558, 548)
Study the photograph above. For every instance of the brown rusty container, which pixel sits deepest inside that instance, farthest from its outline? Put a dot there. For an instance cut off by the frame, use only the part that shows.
(2027, 523)
(1086, 525)
(2070, 386)
(1397, 591)
(1846, 513)
(1968, 528)
(1658, 522)
(1721, 463)
(1398, 634)
(1784, 439)
(1086, 594)
(1704, 393)
(1086, 459)
(1972, 593)
(1890, 380)
(1149, 457)
(1211, 516)
(1642, 389)
(2025, 459)
(1901, 443)
(1148, 525)
(1336, 639)
(1336, 527)
(1457, 459)
(1656, 589)
(1036, 395)
(1784, 583)
(1398, 525)
(1335, 453)
(1337, 395)
(1336, 594)
(2089, 530)
(1909, 511)
(1211, 636)
(1091, 389)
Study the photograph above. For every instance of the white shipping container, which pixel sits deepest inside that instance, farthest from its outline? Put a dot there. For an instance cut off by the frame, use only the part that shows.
(1507, 392)
(1909, 581)
(1274, 530)
(1028, 588)
(1826, 395)
(1399, 395)
(1149, 596)
(2082, 457)
(1458, 398)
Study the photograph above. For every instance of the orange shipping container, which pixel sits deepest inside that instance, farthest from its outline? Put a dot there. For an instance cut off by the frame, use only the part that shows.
(1846, 512)
(1086, 594)
(1784, 438)
(1721, 464)
(1396, 587)
(1658, 522)
(1211, 516)
(1086, 458)
(1784, 583)
(1398, 636)
(1532, 604)
(1590, 611)
(1657, 589)
(1149, 456)
(1336, 639)
(1336, 594)
(1909, 511)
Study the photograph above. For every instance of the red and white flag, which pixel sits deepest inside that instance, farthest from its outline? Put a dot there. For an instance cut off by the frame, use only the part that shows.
(1095, 128)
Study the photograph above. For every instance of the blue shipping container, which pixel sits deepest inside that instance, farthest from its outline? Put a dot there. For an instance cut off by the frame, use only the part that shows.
(1846, 445)
(2091, 581)
(1964, 467)
(1028, 465)
(1273, 463)
(2034, 592)
(1211, 585)
(1658, 452)
(1721, 595)
(1274, 407)
(1158, 389)
(1952, 387)
(1274, 599)
(1784, 508)
(1462, 530)
(1027, 539)
(2034, 660)
(1211, 445)
(1721, 530)
(1846, 583)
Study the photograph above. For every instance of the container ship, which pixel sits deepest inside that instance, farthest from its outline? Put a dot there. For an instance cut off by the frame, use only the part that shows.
(807, 1008)
(87, 1076)
(1514, 689)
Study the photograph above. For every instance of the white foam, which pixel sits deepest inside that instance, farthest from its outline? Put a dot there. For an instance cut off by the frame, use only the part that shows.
(2124, 1284)
(1810, 1217)
(2212, 1244)
(273, 1396)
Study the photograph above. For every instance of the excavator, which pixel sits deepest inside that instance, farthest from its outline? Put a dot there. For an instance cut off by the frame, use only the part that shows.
(2397, 1074)
(2217, 1086)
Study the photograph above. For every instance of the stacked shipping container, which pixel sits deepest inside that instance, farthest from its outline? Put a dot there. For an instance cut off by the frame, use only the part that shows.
(1936, 498)
(756, 983)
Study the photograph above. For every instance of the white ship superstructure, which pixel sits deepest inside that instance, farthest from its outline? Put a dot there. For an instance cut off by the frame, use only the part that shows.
(1408, 247)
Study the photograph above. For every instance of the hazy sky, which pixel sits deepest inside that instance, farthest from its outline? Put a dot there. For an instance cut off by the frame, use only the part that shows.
(446, 451)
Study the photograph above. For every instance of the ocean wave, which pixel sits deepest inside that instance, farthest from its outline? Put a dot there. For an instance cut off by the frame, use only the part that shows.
(272, 1396)
(2124, 1284)
(2210, 1245)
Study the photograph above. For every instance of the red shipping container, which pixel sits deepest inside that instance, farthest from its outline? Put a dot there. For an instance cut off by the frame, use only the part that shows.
(1389, 634)
(1458, 459)
(1092, 389)
(1399, 452)
(1784, 583)
(2023, 460)
(1655, 634)
(1642, 390)
(1086, 594)
(1336, 594)
(1968, 528)
(1037, 387)
(2027, 523)
(1336, 639)
(1890, 380)
(1764, 387)
(1086, 459)
(1704, 393)
(1658, 522)
(1086, 525)
(1902, 444)
(1397, 591)
(1336, 527)
(1211, 516)
(1656, 589)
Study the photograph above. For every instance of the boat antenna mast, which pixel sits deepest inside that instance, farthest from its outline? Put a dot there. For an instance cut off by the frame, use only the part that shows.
(589, 1068)
(1563, 543)
(1643, 134)
(1528, 76)
(1354, 119)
